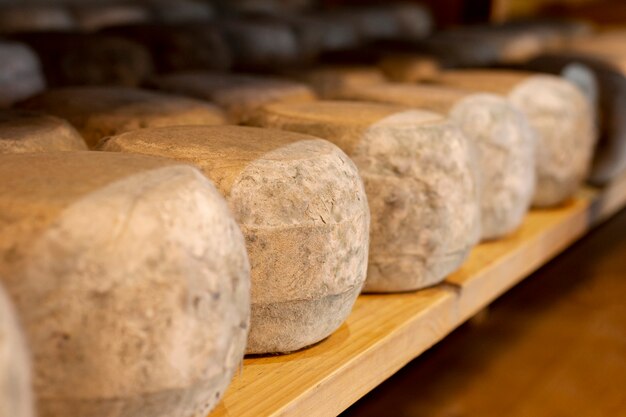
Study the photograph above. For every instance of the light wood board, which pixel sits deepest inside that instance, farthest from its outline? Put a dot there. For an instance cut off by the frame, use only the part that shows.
(385, 332)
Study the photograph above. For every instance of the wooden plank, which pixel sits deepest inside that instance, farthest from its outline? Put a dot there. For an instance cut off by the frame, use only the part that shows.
(381, 335)
(384, 332)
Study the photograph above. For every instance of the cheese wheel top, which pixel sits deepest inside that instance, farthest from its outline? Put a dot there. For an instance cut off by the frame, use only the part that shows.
(493, 81)
(22, 131)
(98, 112)
(346, 112)
(435, 98)
(227, 153)
(59, 181)
(238, 94)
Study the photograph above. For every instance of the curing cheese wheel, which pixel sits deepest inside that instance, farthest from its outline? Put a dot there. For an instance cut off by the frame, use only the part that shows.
(23, 18)
(561, 116)
(238, 94)
(184, 11)
(16, 396)
(508, 43)
(501, 134)
(22, 132)
(391, 21)
(330, 81)
(131, 280)
(420, 177)
(74, 58)
(20, 73)
(259, 44)
(104, 111)
(91, 17)
(176, 47)
(264, 6)
(303, 210)
(410, 68)
(607, 90)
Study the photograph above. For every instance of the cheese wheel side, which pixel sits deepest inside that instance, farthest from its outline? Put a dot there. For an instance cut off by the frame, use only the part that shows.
(16, 394)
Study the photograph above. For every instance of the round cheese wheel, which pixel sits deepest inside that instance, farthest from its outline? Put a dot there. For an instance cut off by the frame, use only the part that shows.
(20, 73)
(104, 111)
(559, 113)
(184, 11)
(603, 79)
(238, 94)
(180, 46)
(22, 132)
(329, 82)
(16, 392)
(24, 18)
(420, 177)
(75, 58)
(303, 210)
(260, 44)
(504, 141)
(409, 68)
(131, 280)
(92, 17)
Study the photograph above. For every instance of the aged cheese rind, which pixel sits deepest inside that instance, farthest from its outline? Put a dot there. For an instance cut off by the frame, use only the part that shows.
(503, 139)
(16, 395)
(302, 208)
(22, 132)
(560, 115)
(119, 327)
(420, 179)
(98, 112)
(20, 73)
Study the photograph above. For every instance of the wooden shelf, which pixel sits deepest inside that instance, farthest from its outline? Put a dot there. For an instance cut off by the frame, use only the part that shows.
(385, 332)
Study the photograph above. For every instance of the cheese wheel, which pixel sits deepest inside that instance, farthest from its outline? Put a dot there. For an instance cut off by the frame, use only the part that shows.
(420, 177)
(92, 17)
(22, 132)
(330, 81)
(508, 43)
(180, 46)
(74, 58)
(501, 134)
(184, 11)
(131, 280)
(392, 21)
(409, 68)
(20, 73)
(239, 95)
(25, 18)
(303, 210)
(561, 116)
(104, 111)
(258, 43)
(16, 392)
(264, 6)
(603, 78)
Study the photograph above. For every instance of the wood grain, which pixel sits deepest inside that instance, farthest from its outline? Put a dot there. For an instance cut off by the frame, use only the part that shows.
(384, 332)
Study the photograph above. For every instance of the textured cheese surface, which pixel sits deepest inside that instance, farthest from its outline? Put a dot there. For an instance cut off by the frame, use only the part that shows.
(21, 74)
(16, 396)
(22, 132)
(303, 210)
(503, 139)
(420, 178)
(131, 279)
(560, 115)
